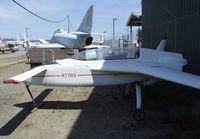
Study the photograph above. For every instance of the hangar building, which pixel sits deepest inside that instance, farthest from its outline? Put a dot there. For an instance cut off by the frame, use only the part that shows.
(179, 22)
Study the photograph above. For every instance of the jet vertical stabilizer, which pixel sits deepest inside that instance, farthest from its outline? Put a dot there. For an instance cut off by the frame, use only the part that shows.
(86, 24)
(26, 42)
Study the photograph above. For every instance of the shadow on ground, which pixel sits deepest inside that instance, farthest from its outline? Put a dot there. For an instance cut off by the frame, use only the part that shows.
(172, 111)
(11, 125)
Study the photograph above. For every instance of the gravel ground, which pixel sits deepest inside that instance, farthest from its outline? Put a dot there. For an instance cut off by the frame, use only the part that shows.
(172, 111)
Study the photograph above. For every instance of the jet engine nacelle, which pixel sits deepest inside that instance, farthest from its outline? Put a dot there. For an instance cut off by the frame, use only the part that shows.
(88, 41)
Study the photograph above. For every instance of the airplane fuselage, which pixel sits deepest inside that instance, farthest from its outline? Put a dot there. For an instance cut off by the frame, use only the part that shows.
(71, 72)
(71, 40)
(79, 73)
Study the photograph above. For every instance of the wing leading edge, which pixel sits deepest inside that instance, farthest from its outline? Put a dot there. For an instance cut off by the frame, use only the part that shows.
(156, 71)
(22, 77)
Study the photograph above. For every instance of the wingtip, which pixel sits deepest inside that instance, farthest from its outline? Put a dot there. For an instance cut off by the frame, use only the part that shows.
(11, 81)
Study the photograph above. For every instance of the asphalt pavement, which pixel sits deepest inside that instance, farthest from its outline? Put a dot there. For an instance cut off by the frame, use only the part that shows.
(12, 58)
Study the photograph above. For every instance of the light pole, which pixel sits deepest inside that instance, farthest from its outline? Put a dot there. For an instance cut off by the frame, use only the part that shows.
(104, 37)
(175, 26)
(68, 28)
(114, 19)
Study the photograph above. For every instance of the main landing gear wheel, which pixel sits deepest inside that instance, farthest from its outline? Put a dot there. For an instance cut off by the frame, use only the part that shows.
(139, 115)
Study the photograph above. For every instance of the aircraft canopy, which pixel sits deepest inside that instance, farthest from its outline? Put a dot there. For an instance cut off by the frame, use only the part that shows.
(108, 54)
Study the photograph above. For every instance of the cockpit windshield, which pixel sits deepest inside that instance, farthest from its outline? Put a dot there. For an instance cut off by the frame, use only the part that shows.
(108, 54)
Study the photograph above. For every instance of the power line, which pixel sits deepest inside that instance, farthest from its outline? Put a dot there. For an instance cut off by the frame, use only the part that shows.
(52, 21)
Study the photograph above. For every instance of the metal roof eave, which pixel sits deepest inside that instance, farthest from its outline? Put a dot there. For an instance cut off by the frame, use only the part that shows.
(135, 19)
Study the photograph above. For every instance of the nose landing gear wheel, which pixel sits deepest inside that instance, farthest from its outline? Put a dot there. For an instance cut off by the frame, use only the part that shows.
(31, 105)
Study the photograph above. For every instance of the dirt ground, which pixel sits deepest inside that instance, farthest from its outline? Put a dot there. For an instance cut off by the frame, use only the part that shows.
(172, 111)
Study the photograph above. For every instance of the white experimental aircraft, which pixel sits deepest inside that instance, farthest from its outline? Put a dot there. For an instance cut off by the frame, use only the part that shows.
(112, 66)
(80, 38)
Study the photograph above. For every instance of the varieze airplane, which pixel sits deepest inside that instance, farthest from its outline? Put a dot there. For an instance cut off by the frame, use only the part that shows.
(112, 66)
(80, 38)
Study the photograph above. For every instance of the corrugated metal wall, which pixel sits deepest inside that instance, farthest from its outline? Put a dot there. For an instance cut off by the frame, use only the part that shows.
(179, 22)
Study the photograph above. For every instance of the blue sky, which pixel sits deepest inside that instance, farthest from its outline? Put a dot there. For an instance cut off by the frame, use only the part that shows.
(14, 19)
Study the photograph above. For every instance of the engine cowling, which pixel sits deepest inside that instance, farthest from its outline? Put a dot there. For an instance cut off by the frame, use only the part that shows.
(88, 41)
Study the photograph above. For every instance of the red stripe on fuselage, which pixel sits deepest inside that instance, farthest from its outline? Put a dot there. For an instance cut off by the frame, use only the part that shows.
(95, 74)
(82, 75)
(49, 76)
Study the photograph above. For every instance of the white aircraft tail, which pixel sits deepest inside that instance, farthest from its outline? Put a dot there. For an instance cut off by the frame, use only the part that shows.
(86, 24)
(18, 40)
(161, 46)
(26, 42)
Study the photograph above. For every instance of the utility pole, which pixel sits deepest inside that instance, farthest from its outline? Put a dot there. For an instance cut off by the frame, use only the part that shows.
(114, 19)
(104, 37)
(175, 26)
(68, 24)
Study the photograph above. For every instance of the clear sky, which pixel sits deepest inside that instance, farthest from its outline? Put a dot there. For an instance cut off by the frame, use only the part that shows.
(14, 19)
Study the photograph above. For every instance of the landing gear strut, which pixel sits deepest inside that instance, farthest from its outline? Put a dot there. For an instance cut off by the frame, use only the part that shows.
(139, 114)
(127, 92)
(33, 104)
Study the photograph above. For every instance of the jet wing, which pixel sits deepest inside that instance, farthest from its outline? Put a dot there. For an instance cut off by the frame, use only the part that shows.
(154, 70)
(22, 77)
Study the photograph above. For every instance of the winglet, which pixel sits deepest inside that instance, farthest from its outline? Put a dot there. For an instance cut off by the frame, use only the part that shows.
(161, 45)
(86, 24)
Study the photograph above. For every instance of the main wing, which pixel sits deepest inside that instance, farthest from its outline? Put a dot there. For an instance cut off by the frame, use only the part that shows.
(22, 77)
(153, 70)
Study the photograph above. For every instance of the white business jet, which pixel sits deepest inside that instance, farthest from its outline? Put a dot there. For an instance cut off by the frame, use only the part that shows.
(112, 66)
(62, 39)
(80, 38)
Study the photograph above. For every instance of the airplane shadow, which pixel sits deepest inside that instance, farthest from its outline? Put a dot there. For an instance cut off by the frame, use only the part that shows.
(92, 106)
(11, 125)
(170, 113)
